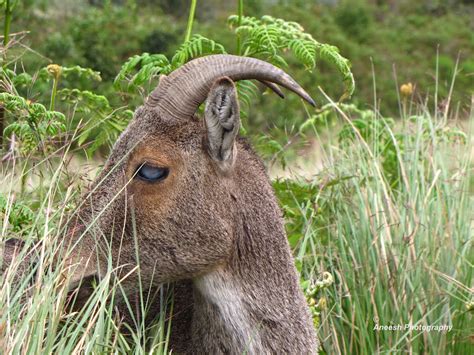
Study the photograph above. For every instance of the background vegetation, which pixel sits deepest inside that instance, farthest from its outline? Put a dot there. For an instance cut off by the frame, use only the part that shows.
(380, 38)
(380, 221)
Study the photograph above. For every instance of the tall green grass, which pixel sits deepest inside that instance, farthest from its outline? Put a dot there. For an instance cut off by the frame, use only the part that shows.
(400, 250)
(34, 295)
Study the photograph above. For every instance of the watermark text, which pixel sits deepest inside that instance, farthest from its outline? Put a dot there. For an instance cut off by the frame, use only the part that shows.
(411, 327)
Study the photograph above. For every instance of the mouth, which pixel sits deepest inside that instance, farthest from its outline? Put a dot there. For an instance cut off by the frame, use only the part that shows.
(79, 290)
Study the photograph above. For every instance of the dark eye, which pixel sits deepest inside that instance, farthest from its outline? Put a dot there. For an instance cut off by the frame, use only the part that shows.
(151, 173)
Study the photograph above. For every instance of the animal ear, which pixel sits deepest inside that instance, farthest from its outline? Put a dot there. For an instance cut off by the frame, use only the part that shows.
(222, 119)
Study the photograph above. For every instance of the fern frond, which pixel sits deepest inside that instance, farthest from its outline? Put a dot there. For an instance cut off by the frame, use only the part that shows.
(331, 54)
(305, 51)
(33, 122)
(246, 89)
(25, 109)
(103, 123)
(196, 46)
(140, 69)
(268, 38)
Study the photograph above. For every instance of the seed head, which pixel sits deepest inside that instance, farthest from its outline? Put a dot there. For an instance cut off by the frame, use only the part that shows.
(406, 89)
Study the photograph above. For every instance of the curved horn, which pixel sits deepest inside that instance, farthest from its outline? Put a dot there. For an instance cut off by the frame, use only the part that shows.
(181, 93)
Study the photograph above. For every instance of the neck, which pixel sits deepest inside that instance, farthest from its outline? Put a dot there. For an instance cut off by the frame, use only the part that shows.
(222, 305)
(254, 303)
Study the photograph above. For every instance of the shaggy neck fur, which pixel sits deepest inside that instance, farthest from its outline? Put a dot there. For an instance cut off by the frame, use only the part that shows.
(253, 304)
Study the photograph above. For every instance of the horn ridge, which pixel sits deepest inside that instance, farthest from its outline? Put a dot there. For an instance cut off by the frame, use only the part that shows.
(181, 92)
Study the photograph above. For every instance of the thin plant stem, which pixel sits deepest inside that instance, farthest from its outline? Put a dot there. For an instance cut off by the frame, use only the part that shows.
(6, 39)
(189, 28)
(240, 12)
(53, 93)
(8, 20)
(436, 84)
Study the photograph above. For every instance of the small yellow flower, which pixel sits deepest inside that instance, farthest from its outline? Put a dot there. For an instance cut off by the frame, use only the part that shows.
(54, 70)
(406, 89)
(28, 102)
(470, 305)
(322, 303)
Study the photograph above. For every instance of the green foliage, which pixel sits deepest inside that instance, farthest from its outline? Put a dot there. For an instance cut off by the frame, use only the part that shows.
(405, 36)
(34, 125)
(196, 46)
(102, 123)
(313, 290)
(95, 122)
(268, 38)
(19, 216)
(143, 68)
(140, 69)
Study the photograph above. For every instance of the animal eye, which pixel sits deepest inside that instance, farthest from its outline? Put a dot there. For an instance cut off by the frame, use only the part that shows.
(151, 173)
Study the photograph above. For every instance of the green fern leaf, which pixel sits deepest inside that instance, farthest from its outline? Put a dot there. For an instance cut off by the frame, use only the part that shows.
(140, 69)
(269, 38)
(196, 46)
(305, 51)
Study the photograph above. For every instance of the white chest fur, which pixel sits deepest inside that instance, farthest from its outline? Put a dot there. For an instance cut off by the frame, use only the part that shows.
(225, 294)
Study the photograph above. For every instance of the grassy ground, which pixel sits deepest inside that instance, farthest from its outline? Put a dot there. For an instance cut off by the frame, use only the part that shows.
(388, 214)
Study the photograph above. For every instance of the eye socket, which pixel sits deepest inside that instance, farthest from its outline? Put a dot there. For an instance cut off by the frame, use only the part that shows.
(151, 173)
